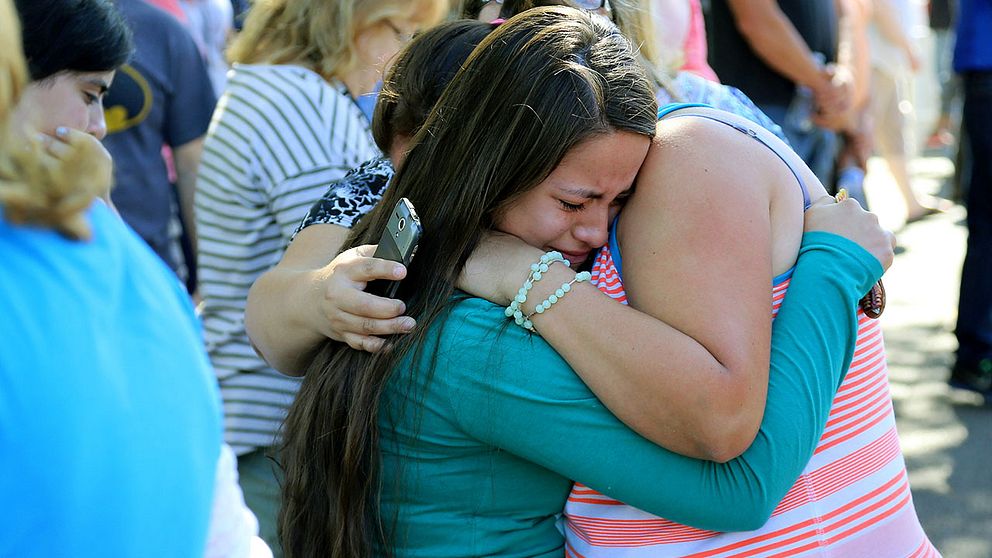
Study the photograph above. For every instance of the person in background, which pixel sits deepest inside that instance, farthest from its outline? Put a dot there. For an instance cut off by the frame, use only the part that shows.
(162, 97)
(943, 15)
(283, 319)
(211, 23)
(110, 425)
(893, 60)
(291, 308)
(240, 11)
(855, 136)
(72, 57)
(173, 7)
(782, 54)
(287, 125)
(972, 368)
(684, 41)
(636, 20)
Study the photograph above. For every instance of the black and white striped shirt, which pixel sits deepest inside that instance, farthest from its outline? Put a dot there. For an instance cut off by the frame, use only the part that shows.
(279, 136)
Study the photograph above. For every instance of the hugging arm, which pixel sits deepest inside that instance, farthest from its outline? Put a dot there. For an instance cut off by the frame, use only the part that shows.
(529, 403)
(313, 294)
(688, 368)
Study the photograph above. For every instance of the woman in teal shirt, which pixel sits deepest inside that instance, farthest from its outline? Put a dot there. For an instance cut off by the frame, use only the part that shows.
(458, 441)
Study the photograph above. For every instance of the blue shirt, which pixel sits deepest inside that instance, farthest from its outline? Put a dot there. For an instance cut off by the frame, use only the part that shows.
(973, 49)
(110, 425)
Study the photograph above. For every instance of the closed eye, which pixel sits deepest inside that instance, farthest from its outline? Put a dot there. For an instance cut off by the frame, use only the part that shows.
(571, 207)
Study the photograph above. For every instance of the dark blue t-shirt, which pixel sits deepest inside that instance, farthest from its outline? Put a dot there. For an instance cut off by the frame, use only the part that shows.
(163, 96)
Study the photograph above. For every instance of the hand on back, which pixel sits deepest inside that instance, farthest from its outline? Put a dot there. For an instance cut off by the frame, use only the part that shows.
(849, 220)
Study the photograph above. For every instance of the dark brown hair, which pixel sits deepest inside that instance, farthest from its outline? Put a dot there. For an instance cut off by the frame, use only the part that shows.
(536, 87)
(418, 76)
(36, 188)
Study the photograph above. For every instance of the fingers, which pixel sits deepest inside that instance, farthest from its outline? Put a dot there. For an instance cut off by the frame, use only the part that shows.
(365, 250)
(360, 303)
(823, 200)
(360, 266)
(368, 340)
(364, 342)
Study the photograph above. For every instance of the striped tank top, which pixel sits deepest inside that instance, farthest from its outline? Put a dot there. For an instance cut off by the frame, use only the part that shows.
(852, 499)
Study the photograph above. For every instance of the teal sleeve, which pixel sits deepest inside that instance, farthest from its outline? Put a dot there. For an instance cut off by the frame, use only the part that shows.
(511, 390)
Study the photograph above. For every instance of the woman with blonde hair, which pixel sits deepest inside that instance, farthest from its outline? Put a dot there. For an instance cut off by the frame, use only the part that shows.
(286, 125)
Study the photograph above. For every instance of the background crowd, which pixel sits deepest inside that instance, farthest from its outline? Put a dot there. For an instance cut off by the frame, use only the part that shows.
(227, 121)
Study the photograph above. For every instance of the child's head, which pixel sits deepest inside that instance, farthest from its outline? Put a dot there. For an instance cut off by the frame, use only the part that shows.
(73, 49)
(35, 187)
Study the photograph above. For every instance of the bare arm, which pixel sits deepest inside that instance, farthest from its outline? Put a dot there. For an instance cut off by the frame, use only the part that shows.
(187, 158)
(697, 234)
(688, 368)
(311, 295)
(775, 40)
(676, 373)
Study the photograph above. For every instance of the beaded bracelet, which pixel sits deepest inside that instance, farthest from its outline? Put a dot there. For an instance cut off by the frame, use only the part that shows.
(554, 297)
(537, 271)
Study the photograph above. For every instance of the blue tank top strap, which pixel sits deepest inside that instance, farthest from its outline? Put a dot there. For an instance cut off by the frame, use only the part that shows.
(669, 108)
(615, 246)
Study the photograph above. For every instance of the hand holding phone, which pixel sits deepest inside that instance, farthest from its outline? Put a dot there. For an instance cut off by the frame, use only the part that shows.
(398, 242)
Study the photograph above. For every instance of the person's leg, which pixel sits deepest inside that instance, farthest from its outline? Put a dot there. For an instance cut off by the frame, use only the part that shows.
(890, 142)
(260, 480)
(973, 369)
(943, 135)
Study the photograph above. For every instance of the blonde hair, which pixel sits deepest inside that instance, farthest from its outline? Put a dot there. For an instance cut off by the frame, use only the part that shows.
(35, 188)
(633, 18)
(320, 34)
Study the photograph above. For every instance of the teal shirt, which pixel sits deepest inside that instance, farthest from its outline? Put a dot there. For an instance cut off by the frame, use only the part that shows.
(479, 457)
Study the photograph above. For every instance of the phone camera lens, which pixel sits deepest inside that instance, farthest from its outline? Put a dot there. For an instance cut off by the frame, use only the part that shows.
(401, 225)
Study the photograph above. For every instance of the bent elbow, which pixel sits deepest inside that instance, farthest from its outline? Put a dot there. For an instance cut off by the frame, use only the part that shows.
(744, 515)
(730, 438)
(725, 449)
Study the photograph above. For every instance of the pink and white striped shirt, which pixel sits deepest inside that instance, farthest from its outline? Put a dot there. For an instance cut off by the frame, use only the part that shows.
(852, 500)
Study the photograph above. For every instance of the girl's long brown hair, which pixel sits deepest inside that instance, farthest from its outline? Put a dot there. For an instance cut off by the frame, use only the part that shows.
(536, 87)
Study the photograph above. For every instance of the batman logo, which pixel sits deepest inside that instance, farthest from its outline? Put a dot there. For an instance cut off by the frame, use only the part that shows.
(129, 100)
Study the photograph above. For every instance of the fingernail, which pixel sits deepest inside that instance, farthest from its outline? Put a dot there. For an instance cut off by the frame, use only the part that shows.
(408, 324)
(61, 131)
(398, 271)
